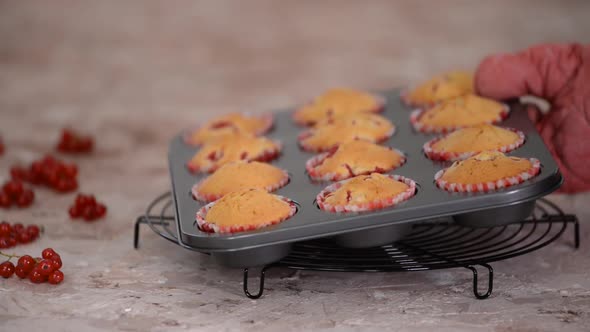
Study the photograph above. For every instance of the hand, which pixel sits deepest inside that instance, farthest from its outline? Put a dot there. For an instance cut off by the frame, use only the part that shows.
(560, 74)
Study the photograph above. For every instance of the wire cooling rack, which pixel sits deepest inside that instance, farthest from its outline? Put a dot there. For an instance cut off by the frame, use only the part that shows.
(430, 246)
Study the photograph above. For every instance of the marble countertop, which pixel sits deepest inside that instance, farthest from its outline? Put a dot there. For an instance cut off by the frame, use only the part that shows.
(135, 73)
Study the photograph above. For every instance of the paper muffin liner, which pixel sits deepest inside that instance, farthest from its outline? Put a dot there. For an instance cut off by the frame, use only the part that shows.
(265, 156)
(454, 156)
(213, 228)
(312, 148)
(380, 107)
(204, 197)
(315, 161)
(488, 186)
(268, 119)
(416, 114)
(367, 206)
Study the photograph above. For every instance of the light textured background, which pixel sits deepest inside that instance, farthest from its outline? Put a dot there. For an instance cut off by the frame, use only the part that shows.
(134, 73)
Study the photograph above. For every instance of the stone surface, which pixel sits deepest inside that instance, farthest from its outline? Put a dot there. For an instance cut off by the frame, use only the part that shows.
(135, 73)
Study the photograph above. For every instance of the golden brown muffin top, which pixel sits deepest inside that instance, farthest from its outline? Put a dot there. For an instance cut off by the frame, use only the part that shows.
(489, 166)
(241, 175)
(228, 124)
(441, 87)
(364, 189)
(337, 102)
(231, 148)
(248, 207)
(359, 157)
(478, 138)
(368, 127)
(465, 111)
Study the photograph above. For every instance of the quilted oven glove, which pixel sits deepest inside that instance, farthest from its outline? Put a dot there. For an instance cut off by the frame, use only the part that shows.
(559, 74)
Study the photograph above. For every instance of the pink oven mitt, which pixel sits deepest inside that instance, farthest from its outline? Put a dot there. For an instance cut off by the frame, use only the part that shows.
(560, 74)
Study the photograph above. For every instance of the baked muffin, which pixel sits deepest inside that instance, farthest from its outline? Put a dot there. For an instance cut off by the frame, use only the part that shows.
(466, 142)
(331, 133)
(244, 210)
(336, 102)
(366, 193)
(354, 158)
(445, 86)
(237, 176)
(486, 171)
(233, 148)
(230, 124)
(460, 112)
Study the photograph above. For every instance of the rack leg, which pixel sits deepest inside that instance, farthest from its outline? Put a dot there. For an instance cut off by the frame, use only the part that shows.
(260, 287)
(476, 292)
(139, 221)
(576, 234)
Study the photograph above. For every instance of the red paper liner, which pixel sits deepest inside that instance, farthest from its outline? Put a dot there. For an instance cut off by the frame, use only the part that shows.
(268, 119)
(381, 102)
(266, 156)
(488, 186)
(203, 197)
(368, 206)
(416, 114)
(454, 156)
(311, 148)
(314, 174)
(213, 228)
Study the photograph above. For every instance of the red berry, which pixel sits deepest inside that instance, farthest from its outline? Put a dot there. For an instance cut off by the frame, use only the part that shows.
(13, 188)
(18, 227)
(45, 267)
(101, 210)
(4, 243)
(89, 213)
(19, 173)
(56, 262)
(27, 262)
(81, 200)
(5, 229)
(47, 253)
(75, 211)
(11, 242)
(56, 277)
(26, 198)
(33, 231)
(23, 237)
(70, 170)
(6, 269)
(21, 272)
(5, 200)
(36, 277)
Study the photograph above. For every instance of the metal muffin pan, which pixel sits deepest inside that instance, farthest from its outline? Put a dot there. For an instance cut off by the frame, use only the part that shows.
(364, 229)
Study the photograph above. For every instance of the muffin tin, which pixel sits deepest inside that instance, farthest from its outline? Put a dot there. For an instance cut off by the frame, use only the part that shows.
(365, 229)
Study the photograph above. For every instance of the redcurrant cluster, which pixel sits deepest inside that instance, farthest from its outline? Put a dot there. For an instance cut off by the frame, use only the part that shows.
(46, 269)
(87, 207)
(15, 193)
(11, 235)
(73, 142)
(50, 172)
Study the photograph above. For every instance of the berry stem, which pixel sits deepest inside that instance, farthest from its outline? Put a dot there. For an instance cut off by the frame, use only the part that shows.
(9, 255)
